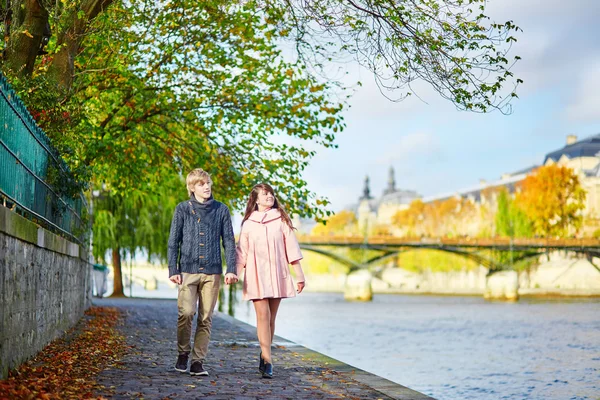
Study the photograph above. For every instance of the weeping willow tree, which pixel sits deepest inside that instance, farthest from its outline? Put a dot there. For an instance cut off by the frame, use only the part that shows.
(134, 221)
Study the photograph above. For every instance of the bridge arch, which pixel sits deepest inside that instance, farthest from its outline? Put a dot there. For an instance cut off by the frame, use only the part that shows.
(521, 250)
(391, 253)
(388, 252)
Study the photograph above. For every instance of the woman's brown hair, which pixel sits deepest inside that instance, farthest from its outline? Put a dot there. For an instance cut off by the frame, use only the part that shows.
(252, 206)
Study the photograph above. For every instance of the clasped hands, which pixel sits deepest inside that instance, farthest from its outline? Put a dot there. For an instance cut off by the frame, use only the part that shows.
(230, 278)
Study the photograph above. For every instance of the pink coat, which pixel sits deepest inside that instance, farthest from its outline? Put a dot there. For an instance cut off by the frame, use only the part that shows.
(267, 245)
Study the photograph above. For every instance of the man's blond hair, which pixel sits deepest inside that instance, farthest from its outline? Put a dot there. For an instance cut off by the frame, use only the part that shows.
(197, 175)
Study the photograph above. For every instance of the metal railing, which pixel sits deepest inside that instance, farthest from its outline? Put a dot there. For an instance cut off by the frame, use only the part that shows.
(32, 172)
(500, 242)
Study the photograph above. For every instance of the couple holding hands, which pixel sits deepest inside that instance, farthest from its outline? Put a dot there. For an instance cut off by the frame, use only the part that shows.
(267, 245)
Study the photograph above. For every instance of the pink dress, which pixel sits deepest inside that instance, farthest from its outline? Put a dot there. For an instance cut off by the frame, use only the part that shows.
(267, 245)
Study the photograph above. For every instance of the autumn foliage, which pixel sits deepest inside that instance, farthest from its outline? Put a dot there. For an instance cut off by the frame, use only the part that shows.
(552, 197)
(67, 367)
(547, 203)
(341, 223)
(441, 218)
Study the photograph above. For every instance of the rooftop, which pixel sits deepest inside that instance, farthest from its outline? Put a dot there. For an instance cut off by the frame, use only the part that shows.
(588, 147)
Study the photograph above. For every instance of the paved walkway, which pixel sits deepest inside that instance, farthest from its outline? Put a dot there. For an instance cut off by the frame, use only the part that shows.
(299, 373)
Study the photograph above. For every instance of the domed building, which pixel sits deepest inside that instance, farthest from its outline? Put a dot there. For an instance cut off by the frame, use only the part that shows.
(371, 212)
(583, 156)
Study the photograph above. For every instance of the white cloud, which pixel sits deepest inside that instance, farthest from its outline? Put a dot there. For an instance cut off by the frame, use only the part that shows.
(585, 104)
(558, 37)
(422, 145)
(369, 101)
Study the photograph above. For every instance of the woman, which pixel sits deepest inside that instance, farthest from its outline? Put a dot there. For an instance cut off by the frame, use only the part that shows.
(267, 245)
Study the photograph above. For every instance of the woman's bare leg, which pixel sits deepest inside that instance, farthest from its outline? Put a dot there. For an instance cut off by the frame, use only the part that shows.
(273, 307)
(263, 327)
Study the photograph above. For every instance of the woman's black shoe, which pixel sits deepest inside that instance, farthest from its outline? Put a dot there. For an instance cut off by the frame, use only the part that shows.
(261, 363)
(268, 372)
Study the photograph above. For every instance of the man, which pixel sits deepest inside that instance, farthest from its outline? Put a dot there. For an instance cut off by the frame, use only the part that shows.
(199, 224)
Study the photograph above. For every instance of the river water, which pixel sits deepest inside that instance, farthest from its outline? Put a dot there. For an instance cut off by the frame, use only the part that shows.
(454, 348)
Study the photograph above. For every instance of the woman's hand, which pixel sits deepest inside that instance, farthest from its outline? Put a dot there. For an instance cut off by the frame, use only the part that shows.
(300, 287)
(230, 278)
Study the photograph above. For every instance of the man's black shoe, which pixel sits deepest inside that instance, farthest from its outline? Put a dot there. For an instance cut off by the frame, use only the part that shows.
(182, 362)
(261, 363)
(268, 372)
(196, 369)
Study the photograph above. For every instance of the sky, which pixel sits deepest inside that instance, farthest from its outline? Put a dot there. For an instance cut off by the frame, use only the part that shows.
(437, 149)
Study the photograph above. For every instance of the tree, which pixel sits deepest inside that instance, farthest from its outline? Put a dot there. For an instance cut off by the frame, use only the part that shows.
(448, 217)
(409, 219)
(341, 223)
(130, 92)
(380, 230)
(112, 231)
(146, 99)
(127, 90)
(552, 197)
(133, 221)
(161, 89)
(29, 23)
(450, 44)
(511, 221)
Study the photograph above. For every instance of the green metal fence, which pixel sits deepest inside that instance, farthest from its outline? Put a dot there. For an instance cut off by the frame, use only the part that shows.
(28, 165)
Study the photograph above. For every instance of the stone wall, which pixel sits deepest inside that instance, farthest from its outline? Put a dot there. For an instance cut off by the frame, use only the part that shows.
(467, 282)
(44, 288)
(563, 273)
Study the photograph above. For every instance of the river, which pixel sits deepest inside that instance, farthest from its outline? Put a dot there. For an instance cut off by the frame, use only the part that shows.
(455, 347)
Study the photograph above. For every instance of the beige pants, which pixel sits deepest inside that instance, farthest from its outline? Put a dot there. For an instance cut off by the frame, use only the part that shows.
(201, 290)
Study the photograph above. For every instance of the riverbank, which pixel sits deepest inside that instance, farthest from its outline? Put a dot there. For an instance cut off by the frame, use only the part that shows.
(555, 274)
(300, 373)
(336, 284)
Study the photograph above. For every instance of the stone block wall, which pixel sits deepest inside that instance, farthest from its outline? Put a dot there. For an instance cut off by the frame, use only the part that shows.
(45, 287)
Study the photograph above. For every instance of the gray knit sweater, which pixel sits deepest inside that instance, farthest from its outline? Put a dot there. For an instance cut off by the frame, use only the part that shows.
(195, 238)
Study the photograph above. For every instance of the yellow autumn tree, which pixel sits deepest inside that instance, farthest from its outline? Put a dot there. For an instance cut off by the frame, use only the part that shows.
(381, 230)
(552, 197)
(454, 216)
(464, 221)
(487, 208)
(409, 219)
(341, 223)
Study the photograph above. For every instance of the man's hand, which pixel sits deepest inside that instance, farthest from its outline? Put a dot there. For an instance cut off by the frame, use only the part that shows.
(176, 279)
(300, 287)
(230, 278)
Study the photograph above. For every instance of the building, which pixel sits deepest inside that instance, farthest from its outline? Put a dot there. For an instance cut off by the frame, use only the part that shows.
(371, 212)
(582, 156)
